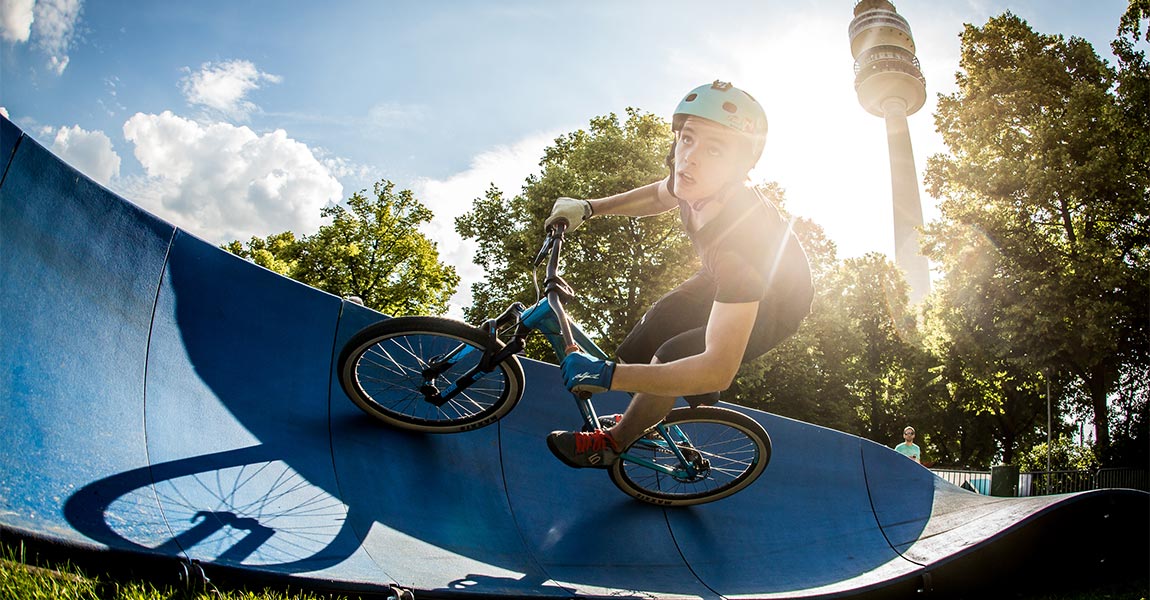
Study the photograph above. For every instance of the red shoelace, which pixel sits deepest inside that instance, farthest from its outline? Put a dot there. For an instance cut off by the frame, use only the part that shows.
(593, 441)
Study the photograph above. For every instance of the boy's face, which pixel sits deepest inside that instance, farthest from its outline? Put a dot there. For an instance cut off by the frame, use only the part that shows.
(707, 157)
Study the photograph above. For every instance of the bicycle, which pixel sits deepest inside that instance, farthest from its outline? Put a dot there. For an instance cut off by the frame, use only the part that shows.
(439, 375)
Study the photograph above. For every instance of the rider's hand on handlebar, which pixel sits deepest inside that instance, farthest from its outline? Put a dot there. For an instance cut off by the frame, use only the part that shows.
(585, 373)
(572, 210)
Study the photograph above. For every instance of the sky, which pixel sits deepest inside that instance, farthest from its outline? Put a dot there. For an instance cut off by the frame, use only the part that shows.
(241, 119)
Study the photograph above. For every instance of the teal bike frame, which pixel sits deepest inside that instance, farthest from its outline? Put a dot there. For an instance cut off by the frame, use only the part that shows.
(548, 317)
(542, 318)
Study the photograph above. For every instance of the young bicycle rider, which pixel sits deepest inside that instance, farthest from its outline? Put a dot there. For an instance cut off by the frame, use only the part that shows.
(753, 290)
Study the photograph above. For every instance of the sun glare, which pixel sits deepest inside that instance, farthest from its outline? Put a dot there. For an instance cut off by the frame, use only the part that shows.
(823, 148)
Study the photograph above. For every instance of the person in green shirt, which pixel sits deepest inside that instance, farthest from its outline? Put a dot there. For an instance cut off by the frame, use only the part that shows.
(908, 448)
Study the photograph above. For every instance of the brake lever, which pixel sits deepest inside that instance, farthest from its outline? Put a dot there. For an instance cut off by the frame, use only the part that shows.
(544, 251)
(553, 233)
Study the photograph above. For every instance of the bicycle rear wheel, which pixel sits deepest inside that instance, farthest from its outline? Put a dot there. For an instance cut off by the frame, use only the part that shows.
(728, 449)
(394, 370)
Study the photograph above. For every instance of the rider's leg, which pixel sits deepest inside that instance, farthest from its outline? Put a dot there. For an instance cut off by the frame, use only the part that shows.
(682, 313)
(644, 412)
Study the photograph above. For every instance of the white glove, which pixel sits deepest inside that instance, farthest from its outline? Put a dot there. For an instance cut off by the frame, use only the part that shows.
(572, 210)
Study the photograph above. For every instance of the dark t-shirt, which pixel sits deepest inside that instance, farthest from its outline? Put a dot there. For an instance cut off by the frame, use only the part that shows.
(749, 254)
(752, 255)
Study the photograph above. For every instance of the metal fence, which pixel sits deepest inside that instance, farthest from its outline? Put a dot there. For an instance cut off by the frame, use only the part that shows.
(1135, 479)
(975, 481)
(1040, 483)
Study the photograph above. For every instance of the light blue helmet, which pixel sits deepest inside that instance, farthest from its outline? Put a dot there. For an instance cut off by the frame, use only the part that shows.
(727, 105)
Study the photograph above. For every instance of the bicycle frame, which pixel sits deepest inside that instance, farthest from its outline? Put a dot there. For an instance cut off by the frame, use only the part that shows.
(548, 317)
(544, 318)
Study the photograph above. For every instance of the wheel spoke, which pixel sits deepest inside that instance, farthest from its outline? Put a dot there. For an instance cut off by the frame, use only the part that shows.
(724, 457)
(388, 376)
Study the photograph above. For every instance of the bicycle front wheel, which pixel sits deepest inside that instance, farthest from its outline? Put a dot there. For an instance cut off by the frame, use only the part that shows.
(399, 371)
(727, 451)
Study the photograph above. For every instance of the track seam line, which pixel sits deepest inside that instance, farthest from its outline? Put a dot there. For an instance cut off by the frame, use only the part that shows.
(511, 507)
(874, 511)
(144, 385)
(679, 549)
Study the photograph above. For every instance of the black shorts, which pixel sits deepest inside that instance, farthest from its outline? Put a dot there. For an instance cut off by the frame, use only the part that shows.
(676, 327)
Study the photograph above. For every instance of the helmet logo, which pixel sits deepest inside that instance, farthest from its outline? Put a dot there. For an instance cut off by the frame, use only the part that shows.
(741, 124)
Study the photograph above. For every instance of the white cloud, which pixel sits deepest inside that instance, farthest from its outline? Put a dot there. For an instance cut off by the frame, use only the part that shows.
(88, 151)
(112, 104)
(50, 24)
(343, 168)
(223, 87)
(224, 182)
(16, 20)
(55, 28)
(507, 167)
(4, 112)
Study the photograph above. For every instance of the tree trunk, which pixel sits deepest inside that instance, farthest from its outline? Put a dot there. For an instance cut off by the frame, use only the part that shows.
(1099, 386)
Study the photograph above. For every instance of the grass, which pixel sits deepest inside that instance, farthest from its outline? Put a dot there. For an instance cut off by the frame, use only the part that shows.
(22, 581)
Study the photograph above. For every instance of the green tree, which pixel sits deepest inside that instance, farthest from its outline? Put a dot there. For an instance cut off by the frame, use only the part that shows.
(1064, 455)
(372, 249)
(871, 296)
(996, 404)
(278, 252)
(855, 364)
(1046, 189)
(618, 266)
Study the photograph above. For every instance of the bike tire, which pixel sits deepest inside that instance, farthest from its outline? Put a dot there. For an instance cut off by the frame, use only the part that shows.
(381, 370)
(737, 447)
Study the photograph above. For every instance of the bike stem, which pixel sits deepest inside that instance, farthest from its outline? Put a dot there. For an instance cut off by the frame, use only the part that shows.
(553, 296)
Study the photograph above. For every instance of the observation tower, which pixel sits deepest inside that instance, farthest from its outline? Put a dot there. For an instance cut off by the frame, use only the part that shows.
(890, 84)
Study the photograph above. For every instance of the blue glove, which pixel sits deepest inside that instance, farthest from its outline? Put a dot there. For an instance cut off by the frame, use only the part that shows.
(585, 373)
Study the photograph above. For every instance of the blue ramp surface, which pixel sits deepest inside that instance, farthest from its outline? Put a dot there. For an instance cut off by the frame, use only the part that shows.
(164, 398)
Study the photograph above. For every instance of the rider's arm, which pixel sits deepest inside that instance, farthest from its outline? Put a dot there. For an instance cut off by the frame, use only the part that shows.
(728, 330)
(650, 199)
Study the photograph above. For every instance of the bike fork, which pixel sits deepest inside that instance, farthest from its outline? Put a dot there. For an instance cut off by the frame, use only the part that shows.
(487, 363)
